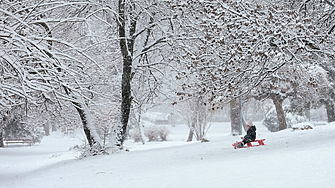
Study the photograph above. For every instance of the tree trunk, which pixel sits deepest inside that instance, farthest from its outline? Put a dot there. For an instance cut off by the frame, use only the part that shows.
(190, 135)
(330, 111)
(46, 128)
(278, 102)
(126, 101)
(53, 127)
(192, 127)
(89, 129)
(139, 124)
(1, 140)
(90, 132)
(244, 124)
(308, 114)
(126, 45)
(234, 117)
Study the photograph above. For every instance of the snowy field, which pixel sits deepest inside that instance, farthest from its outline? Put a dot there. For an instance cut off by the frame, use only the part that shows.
(304, 158)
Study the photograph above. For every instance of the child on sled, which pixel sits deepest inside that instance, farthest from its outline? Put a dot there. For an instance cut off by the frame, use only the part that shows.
(250, 136)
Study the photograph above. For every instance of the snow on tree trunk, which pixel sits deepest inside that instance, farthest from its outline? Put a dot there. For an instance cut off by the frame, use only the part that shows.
(53, 127)
(308, 114)
(1, 139)
(197, 119)
(127, 48)
(330, 107)
(136, 119)
(190, 133)
(88, 125)
(140, 127)
(244, 124)
(46, 128)
(278, 102)
(234, 117)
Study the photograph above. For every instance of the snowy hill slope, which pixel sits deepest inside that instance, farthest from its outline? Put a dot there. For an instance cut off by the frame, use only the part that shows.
(289, 159)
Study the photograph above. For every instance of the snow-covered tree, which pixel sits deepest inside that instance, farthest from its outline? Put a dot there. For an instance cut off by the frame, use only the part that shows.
(45, 56)
(198, 117)
(321, 13)
(271, 121)
(233, 52)
(245, 44)
(144, 30)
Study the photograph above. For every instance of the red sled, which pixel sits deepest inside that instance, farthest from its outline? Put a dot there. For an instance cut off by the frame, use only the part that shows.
(250, 144)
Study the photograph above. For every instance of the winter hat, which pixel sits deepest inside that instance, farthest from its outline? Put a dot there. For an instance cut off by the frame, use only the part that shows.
(249, 123)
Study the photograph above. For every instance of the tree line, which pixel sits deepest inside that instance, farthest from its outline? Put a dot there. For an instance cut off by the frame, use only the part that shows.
(108, 59)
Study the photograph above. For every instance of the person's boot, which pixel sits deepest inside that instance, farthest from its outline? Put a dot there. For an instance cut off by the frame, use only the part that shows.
(239, 145)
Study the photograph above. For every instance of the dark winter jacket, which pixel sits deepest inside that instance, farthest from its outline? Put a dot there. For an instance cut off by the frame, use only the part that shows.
(251, 134)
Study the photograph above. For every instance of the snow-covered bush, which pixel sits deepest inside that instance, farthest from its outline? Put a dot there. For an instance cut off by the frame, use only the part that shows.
(37, 133)
(155, 133)
(15, 129)
(136, 135)
(271, 121)
(152, 133)
(86, 151)
(163, 133)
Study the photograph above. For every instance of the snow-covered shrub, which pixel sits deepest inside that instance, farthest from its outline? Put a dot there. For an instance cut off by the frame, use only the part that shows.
(163, 133)
(37, 133)
(155, 133)
(136, 135)
(86, 151)
(271, 121)
(152, 133)
(17, 127)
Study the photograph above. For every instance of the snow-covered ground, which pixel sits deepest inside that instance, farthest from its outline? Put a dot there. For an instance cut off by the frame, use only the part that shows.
(303, 158)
